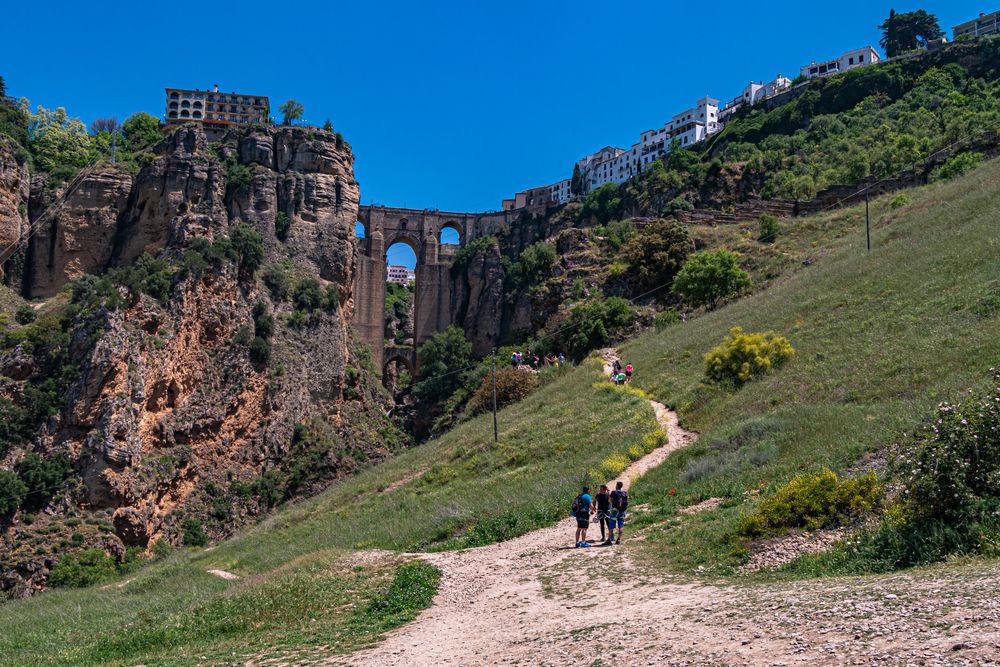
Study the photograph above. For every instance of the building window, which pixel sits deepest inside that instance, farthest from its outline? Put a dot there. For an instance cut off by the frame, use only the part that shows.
(172, 114)
(185, 104)
(173, 105)
(174, 96)
(197, 105)
(861, 58)
(196, 114)
(184, 113)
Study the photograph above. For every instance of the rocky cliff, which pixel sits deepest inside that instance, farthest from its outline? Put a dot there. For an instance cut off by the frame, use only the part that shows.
(190, 391)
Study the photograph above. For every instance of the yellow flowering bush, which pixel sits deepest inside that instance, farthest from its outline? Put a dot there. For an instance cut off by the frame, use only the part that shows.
(744, 356)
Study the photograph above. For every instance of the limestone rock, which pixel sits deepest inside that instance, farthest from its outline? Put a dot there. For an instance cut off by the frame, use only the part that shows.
(74, 237)
(14, 193)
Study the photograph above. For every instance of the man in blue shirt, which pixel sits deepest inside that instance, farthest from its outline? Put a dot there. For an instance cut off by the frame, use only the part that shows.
(583, 507)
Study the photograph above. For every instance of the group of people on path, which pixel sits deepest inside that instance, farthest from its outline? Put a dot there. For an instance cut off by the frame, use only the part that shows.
(621, 375)
(610, 508)
(527, 360)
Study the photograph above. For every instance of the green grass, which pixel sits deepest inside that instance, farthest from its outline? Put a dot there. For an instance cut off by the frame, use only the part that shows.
(880, 339)
(458, 490)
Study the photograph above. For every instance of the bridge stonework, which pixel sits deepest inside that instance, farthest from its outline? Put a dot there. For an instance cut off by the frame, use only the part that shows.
(435, 295)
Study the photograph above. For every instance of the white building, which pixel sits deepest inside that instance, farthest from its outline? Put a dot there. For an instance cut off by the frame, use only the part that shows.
(754, 93)
(985, 24)
(617, 165)
(559, 192)
(848, 61)
(400, 274)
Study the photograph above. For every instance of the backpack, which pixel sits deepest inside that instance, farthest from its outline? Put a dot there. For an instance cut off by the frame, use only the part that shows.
(577, 504)
(621, 499)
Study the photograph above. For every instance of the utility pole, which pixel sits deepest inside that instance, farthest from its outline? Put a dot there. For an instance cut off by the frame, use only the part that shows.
(868, 226)
(493, 374)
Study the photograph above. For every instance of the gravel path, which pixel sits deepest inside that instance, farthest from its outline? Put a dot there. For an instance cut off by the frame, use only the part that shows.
(535, 600)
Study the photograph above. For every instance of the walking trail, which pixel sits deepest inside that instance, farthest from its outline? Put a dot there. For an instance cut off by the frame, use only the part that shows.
(536, 600)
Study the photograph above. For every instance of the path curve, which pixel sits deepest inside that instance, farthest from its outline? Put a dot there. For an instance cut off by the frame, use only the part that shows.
(497, 604)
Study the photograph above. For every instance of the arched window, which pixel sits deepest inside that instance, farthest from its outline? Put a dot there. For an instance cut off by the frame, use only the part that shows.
(185, 104)
(196, 114)
(173, 114)
(174, 96)
(449, 236)
(197, 105)
(173, 105)
(402, 223)
(185, 113)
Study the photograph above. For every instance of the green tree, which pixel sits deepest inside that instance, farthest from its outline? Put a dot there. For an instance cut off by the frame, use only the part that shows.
(58, 144)
(656, 254)
(291, 111)
(592, 325)
(604, 203)
(194, 533)
(141, 131)
(908, 31)
(531, 268)
(442, 358)
(3, 87)
(282, 225)
(327, 125)
(42, 477)
(576, 184)
(12, 491)
(307, 295)
(709, 277)
(249, 247)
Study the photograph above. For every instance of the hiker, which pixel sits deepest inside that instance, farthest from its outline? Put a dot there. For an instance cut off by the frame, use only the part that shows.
(583, 507)
(628, 373)
(603, 501)
(615, 367)
(562, 359)
(620, 378)
(619, 507)
(514, 360)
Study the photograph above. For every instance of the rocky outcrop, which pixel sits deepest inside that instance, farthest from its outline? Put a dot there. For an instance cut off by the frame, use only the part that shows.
(74, 236)
(14, 191)
(171, 416)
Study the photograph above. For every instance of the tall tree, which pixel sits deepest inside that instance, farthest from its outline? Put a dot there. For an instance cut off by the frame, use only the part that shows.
(141, 130)
(292, 111)
(908, 31)
(3, 87)
(109, 125)
(576, 185)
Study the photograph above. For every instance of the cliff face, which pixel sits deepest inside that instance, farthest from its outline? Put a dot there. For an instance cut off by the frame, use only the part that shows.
(14, 191)
(169, 416)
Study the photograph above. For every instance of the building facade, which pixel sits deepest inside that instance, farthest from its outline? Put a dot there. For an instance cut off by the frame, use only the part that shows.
(754, 93)
(400, 274)
(213, 108)
(850, 60)
(985, 24)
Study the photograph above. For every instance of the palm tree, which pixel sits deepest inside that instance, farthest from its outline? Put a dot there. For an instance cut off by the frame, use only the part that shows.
(292, 111)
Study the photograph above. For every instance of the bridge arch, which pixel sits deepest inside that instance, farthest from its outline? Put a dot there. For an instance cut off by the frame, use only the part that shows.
(436, 296)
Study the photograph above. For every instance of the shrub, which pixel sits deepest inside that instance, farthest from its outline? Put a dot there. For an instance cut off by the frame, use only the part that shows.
(297, 320)
(666, 318)
(194, 533)
(744, 356)
(512, 386)
(616, 233)
(464, 256)
(677, 205)
(25, 314)
(768, 229)
(531, 268)
(43, 478)
(812, 502)
(591, 325)
(238, 176)
(249, 248)
(278, 279)
(243, 335)
(709, 277)
(957, 165)
(899, 201)
(656, 254)
(308, 295)
(260, 351)
(12, 491)
(282, 225)
(91, 566)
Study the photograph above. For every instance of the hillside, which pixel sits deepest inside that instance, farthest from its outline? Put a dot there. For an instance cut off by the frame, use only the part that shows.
(880, 338)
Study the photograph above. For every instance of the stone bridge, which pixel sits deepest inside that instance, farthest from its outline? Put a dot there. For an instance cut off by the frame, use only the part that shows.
(435, 296)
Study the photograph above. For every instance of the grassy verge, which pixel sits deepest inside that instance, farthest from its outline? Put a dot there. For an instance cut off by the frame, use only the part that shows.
(881, 338)
(177, 615)
(459, 490)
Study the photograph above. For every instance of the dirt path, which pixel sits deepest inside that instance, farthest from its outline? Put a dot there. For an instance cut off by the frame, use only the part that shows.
(500, 603)
(536, 600)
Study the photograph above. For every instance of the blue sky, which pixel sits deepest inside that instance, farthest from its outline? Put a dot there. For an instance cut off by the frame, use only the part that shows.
(448, 105)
